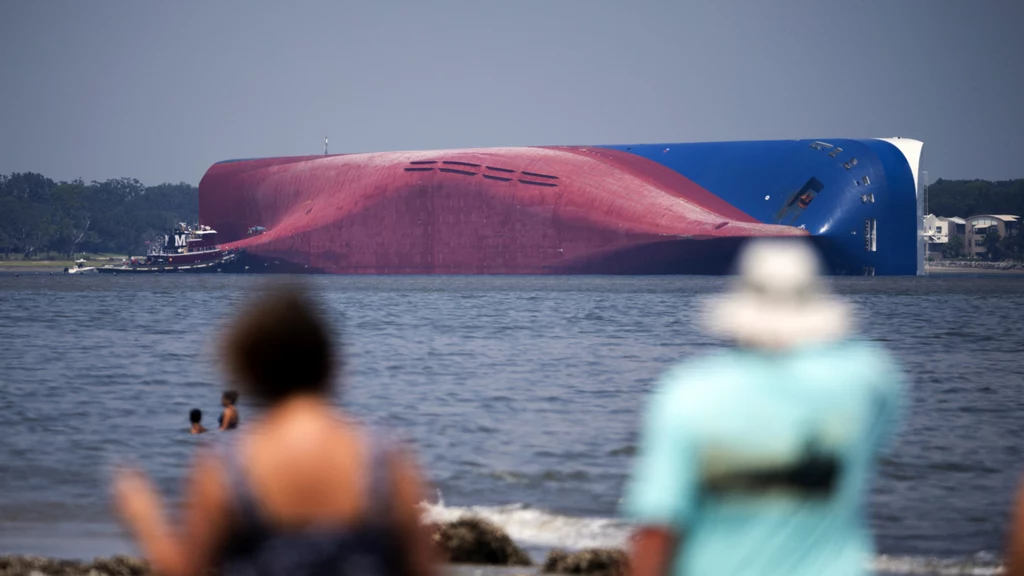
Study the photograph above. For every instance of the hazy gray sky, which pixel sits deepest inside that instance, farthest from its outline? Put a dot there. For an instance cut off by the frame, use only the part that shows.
(159, 90)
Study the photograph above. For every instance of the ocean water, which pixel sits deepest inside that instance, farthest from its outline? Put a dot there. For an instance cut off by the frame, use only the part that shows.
(520, 394)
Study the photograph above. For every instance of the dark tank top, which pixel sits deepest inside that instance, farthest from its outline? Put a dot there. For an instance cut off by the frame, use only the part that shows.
(233, 425)
(368, 548)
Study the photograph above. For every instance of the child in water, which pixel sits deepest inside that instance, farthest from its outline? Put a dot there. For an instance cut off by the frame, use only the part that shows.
(228, 419)
(195, 416)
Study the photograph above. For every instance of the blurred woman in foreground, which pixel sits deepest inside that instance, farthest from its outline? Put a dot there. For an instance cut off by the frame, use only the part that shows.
(304, 490)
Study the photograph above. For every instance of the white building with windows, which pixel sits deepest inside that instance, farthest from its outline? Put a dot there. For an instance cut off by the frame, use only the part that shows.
(938, 231)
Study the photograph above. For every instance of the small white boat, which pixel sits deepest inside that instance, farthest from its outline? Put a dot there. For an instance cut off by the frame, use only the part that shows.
(80, 268)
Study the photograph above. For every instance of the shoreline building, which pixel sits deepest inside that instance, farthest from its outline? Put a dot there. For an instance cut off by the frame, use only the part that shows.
(970, 232)
(979, 226)
(939, 230)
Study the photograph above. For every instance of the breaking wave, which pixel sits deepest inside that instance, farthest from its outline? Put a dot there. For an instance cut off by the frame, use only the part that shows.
(536, 528)
(981, 564)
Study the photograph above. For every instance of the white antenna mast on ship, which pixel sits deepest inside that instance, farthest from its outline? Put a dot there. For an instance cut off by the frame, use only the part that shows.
(925, 191)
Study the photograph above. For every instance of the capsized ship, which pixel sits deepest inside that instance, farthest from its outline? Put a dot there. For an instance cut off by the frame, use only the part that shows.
(629, 209)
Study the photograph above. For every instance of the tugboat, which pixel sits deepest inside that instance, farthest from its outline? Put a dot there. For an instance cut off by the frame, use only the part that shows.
(183, 249)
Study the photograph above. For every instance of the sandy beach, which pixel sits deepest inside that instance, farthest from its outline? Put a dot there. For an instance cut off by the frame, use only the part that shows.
(129, 566)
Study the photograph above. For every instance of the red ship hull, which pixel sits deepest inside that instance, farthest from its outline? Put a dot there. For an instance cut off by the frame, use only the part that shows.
(486, 211)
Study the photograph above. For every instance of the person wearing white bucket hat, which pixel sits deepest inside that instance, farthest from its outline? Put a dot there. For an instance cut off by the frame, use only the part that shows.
(779, 300)
(755, 460)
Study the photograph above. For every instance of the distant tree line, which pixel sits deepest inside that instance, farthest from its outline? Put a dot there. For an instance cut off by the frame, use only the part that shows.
(965, 198)
(40, 216)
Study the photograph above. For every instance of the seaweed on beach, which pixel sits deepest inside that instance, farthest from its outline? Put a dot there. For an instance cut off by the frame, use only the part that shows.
(595, 561)
(477, 541)
(37, 566)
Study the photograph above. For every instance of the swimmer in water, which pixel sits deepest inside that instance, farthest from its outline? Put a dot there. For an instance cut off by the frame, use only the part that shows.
(195, 416)
(228, 419)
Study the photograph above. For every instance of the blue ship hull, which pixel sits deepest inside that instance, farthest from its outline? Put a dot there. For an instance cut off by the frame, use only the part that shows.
(852, 183)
